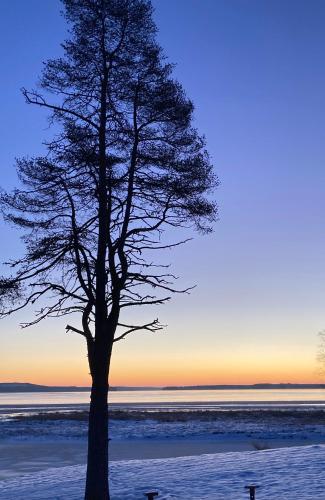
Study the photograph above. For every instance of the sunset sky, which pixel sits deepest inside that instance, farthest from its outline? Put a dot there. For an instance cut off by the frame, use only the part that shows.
(256, 73)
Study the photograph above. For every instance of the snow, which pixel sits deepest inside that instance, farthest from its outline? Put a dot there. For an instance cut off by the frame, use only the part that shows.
(51, 445)
(287, 473)
(255, 425)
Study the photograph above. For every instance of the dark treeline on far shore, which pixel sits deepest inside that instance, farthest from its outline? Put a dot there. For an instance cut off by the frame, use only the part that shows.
(247, 386)
(26, 387)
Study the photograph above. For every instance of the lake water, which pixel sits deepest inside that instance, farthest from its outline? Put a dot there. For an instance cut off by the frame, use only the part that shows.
(169, 398)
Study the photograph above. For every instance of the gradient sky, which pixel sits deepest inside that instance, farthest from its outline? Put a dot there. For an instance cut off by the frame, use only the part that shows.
(256, 73)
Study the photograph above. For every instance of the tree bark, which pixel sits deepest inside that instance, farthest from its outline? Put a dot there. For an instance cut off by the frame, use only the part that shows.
(97, 483)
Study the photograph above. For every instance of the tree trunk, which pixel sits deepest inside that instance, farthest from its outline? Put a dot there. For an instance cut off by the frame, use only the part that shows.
(97, 486)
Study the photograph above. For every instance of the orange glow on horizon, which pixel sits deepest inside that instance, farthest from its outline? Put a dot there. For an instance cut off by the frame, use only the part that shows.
(138, 366)
(164, 377)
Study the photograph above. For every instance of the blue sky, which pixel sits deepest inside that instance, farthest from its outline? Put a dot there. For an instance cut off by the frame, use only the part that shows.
(255, 71)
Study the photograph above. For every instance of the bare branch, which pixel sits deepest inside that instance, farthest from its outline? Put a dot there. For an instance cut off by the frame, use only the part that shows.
(35, 98)
(154, 326)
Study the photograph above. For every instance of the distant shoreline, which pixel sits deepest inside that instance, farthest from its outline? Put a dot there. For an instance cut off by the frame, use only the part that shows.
(261, 386)
(12, 387)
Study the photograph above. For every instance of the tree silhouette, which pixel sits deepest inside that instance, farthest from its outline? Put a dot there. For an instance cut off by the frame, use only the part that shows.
(125, 165)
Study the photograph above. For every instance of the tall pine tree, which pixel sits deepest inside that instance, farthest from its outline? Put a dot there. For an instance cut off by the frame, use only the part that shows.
(126, 165)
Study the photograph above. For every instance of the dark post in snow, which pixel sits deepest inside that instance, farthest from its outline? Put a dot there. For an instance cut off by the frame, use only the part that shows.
(151, 495)
(252, 489)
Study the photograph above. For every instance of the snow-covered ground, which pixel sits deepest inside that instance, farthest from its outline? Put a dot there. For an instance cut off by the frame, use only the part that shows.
(254, 424)
(288, 473)
(42, 454)
(30, 443)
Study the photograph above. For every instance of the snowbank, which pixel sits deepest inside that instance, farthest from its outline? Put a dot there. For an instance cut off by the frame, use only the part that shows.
(288, 473)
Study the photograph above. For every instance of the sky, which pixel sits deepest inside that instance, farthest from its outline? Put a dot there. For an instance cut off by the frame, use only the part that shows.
(256, 74)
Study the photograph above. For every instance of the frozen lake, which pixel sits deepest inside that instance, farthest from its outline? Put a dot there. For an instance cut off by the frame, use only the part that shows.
(166, 399)
(216, 396)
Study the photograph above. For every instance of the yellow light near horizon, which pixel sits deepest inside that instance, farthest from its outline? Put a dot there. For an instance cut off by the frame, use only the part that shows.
(213, 370)
(161, 369)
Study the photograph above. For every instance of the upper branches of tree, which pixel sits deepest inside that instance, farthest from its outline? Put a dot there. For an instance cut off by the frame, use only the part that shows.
(126, 164)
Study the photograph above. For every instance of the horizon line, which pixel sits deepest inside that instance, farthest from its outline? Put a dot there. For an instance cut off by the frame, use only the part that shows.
(170, 386)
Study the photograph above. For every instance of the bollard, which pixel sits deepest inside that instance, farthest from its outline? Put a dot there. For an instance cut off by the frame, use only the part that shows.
(151, 495)
(252, 489)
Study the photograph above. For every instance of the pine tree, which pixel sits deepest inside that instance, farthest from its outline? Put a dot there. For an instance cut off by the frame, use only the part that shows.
(126, 165)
